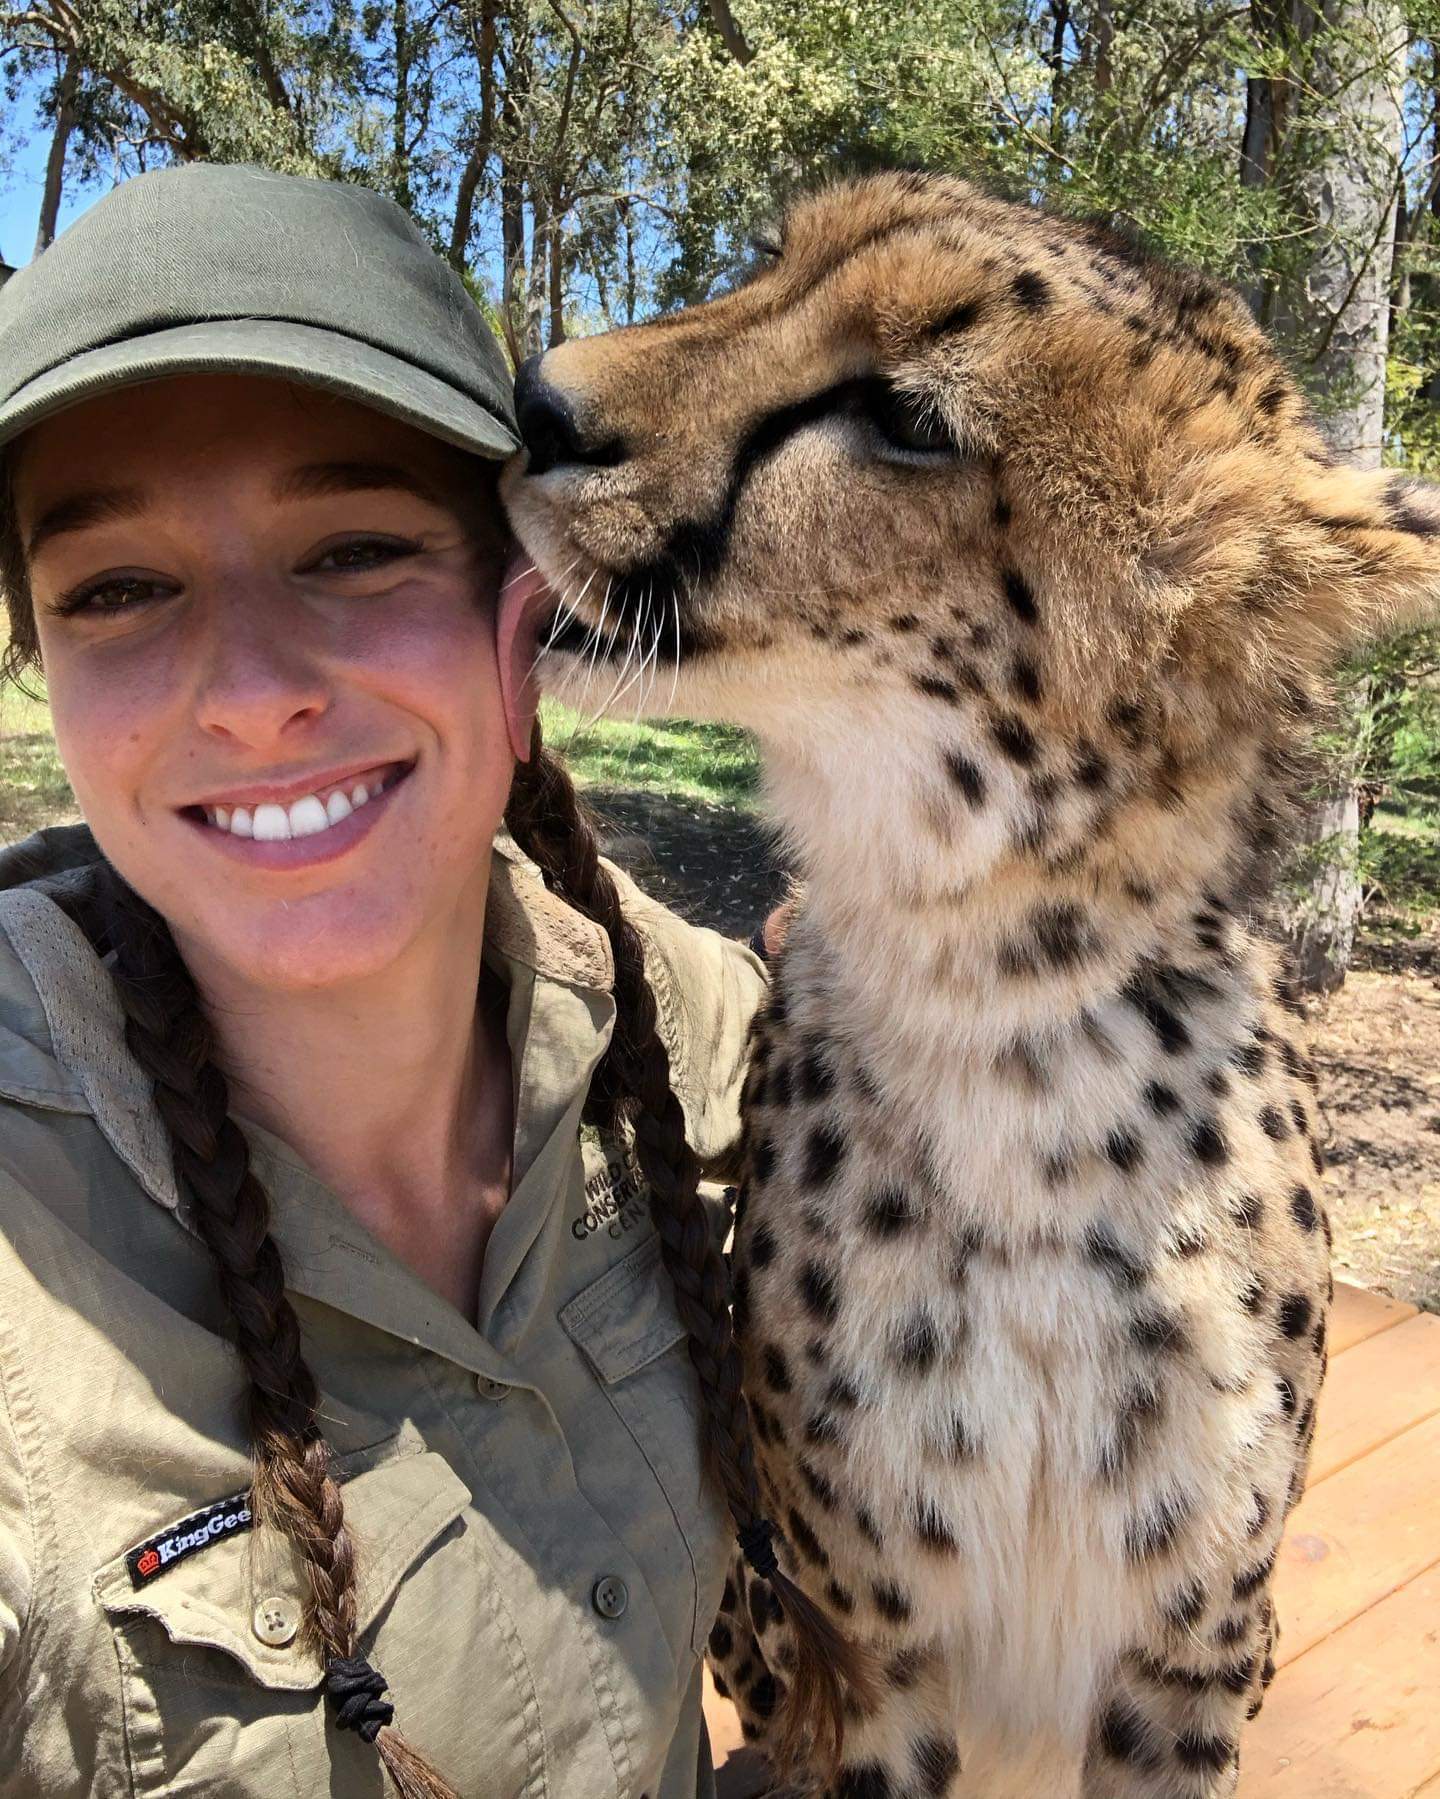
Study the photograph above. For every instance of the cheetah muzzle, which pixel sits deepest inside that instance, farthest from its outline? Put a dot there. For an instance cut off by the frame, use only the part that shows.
(1017, 550)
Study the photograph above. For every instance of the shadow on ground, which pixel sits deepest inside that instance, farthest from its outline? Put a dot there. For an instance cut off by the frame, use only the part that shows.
(712, 864)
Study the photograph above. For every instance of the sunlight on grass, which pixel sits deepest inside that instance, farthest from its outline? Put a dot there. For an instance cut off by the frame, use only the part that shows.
(33, 787)
(710, 762)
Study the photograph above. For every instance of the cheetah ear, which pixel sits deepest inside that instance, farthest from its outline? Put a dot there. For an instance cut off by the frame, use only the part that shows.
(1372, 561)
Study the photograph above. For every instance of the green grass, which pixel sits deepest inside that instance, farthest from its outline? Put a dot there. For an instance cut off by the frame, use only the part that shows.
(33, 787)
(1400, 861)
(709, 762)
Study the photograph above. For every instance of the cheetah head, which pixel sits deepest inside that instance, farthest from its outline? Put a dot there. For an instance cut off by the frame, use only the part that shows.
(963, 500)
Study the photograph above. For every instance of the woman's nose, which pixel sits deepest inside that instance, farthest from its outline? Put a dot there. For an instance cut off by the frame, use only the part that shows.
(552, 427)
(260, 680)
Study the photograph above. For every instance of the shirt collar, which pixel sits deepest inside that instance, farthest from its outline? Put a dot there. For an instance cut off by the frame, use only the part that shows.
(62, 1029)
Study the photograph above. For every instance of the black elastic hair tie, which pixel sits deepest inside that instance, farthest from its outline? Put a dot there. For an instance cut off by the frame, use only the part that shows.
(757, 1545)
(354, 1688)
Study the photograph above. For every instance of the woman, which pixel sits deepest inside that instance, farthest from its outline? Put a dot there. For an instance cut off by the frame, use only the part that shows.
(322, 1102)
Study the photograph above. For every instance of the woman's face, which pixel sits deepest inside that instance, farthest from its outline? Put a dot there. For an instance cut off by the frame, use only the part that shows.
(269, 643)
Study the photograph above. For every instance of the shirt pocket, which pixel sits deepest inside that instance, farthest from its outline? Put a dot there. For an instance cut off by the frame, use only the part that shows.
(215, 1702)
(627, 1327)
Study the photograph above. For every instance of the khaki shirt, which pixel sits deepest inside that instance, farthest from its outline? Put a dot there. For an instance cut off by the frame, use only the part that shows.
(540, 1554)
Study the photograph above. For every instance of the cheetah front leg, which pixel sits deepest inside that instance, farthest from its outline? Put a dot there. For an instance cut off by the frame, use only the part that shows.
(748, 1650)
(1170, 1726)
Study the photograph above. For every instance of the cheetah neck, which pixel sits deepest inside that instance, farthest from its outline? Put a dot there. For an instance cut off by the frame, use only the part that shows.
(1029, 1001)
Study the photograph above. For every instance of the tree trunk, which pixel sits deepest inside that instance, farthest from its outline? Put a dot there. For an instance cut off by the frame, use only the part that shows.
(401, 121)
(55, 162)
(1350, 189)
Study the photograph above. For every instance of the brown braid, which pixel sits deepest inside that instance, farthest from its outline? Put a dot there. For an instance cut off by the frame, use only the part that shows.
(549, 824)
(293, 1489)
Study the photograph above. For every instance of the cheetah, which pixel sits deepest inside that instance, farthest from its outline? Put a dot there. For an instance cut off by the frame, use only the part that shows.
(1018, 551)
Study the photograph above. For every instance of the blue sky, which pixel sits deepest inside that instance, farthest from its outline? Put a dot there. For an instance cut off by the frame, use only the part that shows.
(20, 188)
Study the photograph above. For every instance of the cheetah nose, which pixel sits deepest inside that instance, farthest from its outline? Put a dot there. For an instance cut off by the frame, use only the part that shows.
(550, 427)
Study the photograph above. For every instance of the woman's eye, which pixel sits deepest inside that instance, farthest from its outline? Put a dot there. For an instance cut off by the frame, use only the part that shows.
(109, 594)
(908, 421)
(359, 555)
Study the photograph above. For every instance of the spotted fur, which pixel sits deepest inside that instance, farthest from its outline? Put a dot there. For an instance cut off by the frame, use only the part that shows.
(1019, 553)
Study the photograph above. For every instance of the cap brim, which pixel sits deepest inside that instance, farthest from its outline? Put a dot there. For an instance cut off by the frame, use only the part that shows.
(308, 354)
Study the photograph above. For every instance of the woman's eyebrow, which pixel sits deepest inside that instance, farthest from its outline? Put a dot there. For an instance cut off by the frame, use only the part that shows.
(316, 480)
(79, 511)
(312, 480)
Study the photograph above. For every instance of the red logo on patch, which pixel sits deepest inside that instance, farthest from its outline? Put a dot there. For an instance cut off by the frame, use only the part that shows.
(148, 1563)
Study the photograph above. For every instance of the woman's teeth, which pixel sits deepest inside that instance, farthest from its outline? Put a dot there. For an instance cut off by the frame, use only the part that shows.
(305, 817)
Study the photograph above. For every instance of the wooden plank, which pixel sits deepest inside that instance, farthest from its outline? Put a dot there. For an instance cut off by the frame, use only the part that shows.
(1359, 1717)
(1357, 1314)
(1383, 1386)
(1358, 1536)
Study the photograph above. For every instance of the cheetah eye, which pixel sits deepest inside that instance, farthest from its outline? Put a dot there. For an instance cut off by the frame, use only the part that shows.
(907, 421)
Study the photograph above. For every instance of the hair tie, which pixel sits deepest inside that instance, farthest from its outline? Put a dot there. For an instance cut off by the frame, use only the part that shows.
(354, 1688)
(757, 1546)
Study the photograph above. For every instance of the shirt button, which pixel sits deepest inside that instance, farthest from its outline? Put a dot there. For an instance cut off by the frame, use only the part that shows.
(491, 1389)
(276, 1621)
(610, 1596)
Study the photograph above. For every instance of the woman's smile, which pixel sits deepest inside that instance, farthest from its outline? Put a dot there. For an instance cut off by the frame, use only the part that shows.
(299, 823)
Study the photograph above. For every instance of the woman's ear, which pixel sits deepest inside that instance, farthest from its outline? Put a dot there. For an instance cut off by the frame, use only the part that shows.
(522, 600)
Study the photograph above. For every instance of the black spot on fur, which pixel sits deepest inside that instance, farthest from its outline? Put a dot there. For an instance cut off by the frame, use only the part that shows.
(824, 1152)
(1253, 1295)
(822, 1428)
(1122, 1737)
(867, 1781)
(1161, 1099)
(1154, 1532)
(1014, 738)
(777, 1369)
(967, 777)
(1288, 1399)
(1020, 595)
(888, 1213)
(1250, 1581)
(1208, 1144)
(1104, 1248)
(1211, 1753)
(1295, 1314)
(1249, 1058)
(762, 1696)
(1186, 1610)
(819, 1486)
(721, 1641)
(1001, 513)
(817, 1077)
(1025, 680)
(1302, 1208)
(959, 318)
(780, 1090)
(1249, 1210)
(762, 1246)
(1273, 1124)
(917, 1344)
(1159, 1332)
(937, 1762)
(819, 1292)
(1140, 1411)
(840, 1597)
(891, 1601)
(1232, 1630)
(934, 1533)
(805, 1540)
(1166, 1023)
(1032, 290)
(1125, 1150)
(868, 1528)
(935, 688)
(842, 1393)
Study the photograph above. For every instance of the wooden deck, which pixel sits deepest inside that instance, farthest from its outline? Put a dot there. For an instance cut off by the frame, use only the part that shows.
(1355, 1710)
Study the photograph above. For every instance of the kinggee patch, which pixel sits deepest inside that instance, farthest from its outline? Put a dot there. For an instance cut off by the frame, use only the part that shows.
(188, 1537)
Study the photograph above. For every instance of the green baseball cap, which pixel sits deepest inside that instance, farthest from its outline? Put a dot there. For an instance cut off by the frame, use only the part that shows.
(215, 268)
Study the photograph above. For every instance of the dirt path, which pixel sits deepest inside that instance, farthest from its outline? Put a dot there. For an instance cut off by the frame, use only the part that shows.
(1376, 1042)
